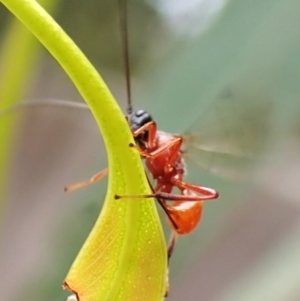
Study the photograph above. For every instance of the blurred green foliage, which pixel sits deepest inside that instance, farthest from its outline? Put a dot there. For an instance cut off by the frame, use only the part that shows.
(246, 247)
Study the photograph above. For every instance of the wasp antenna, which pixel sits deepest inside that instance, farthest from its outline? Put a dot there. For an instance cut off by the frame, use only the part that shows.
(125, 51)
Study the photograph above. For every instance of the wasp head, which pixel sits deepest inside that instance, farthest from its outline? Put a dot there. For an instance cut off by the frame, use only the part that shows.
(136, 120)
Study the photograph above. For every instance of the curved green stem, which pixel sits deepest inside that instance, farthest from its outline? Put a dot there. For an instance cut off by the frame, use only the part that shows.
(124, 257)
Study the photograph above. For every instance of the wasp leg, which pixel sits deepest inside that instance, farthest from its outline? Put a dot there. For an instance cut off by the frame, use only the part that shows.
(97, 177)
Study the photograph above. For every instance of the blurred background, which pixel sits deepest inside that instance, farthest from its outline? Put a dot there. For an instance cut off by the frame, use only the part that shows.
(185, 56)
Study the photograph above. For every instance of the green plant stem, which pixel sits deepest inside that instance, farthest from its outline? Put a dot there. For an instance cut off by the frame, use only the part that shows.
(136, 257)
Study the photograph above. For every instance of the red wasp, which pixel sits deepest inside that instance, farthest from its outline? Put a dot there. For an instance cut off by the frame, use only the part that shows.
(163, 157)
(227, 141)
(164, 160)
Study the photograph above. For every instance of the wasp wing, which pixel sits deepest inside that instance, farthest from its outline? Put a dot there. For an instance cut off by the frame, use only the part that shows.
(230, 133)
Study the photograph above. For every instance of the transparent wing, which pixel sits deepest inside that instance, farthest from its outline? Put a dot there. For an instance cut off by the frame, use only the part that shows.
(230, 133)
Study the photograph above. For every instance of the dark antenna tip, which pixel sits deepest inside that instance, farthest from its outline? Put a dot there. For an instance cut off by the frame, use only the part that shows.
(129, 109)
(125, 50)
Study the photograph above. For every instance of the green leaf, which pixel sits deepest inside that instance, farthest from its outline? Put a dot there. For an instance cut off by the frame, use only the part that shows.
(124, 257)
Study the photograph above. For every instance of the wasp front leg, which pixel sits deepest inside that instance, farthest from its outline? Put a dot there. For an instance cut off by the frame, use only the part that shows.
(97, 177)
(151, 128)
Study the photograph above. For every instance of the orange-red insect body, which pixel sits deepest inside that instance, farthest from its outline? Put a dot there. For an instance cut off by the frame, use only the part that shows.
(186, 215)
(164, 160)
